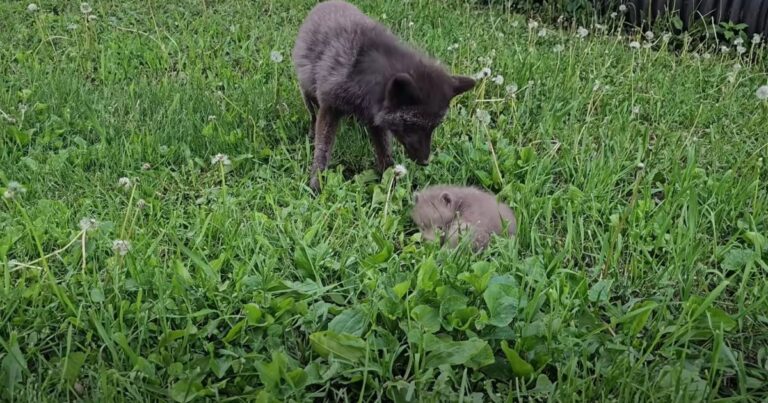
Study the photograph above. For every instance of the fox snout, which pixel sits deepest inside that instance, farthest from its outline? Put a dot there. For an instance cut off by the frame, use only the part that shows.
(418, 155)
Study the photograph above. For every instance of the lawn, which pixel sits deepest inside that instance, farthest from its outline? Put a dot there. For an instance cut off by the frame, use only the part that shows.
(137, 265)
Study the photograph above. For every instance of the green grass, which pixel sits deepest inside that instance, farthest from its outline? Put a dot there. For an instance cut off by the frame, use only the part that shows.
(639, 272)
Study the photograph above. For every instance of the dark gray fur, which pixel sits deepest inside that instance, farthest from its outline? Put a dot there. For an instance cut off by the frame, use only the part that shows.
(450, 212)
(349, 64)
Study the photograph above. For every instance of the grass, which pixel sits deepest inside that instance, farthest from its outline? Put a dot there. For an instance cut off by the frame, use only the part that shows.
(637, 175)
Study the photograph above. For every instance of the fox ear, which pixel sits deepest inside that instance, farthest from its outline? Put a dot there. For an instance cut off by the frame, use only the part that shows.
(415, 197)
(446, 198)
(401, 91)
(462, 84)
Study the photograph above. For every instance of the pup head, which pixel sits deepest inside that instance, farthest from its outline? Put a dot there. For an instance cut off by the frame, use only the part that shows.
(415, 104)
(434, 209)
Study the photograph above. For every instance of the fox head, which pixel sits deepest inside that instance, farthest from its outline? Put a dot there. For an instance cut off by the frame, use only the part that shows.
(415, 104)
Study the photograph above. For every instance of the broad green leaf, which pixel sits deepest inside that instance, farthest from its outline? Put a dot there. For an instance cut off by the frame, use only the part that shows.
(344, 346)
(640, 314)
(502, 298)
(269, 373)
(402, 288)
(351, 321)
(600, 291)
(737, 259)
(13, 365)
(427, 276)
(426, 317)
(185, 390)
(384, 253)
(235, 331)
(519, 366)
(97, 295)
(71, 366)
(473, 353)
(479, 277)
(253, 313)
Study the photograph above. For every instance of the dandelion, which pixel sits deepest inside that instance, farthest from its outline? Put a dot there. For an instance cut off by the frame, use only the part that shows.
(211, 118)
(724, 49)
(72, 27)
(634, 45)
(485, 72)
(453, 47)
(121, 247)
(85, 8)
(738, 41)
(410, 24)
(706, 55)
(276, 56)
(532, 24)
(146, 166)
(635, 110)
(640, 166)
(596, 87)
(542, 33)
(498, 80)
(582, 32)
(558, 48)
(515, 24)
(163, 149)
(124, 182)
(141, 204)
(511, 89)
(666, 37)
(32, 7)
(92, 18)
(623, 8)
(88, 224)
(756, 39)
(647, 45)
(601, 27)
(399, 171)
(222, 159)
(560, 19)
(483, 116)
(741, 49)
(14, 189)
(649, 35)
(614, 15)
(762, 93)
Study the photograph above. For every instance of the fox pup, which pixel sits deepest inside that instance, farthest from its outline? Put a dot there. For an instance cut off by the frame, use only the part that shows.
(452, 211)
(350, 65)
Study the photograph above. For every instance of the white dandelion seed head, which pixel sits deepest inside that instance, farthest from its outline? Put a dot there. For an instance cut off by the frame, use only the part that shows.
(485, 72)
(706, 55)
(276, 56)
(146, 166)
(614, 14)
(560, 19)
(124, 183)
(85, 8)
(646, 45)
(623, 8)
(635, 110)
(542, 33)
(741, 49)
(163, 149)
(498, 80)
(640, 165)
(211, 118)
(736, 67)
(141, 204)
(483, 116)
(88, 224)
(453, 47)
(756, 39)
(32, 7)
(13, 189)
(558, 48)
(399, 171)
(738, 41)
(601, 27)
(582, 32)
(92, 18)
(649, 35)
(532, 24)
(515, 24)
(121, 246)
(72, 27)
(511, 89)
(762, 93)
(724, 49)
(410, 23)
(696, 55)
(222, 159)
(634, 45)
(23, 108)
(597, 86)
(666, 36)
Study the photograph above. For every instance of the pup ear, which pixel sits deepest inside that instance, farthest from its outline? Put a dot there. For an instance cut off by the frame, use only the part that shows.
(462, 84)
(402, 91)
(415, 197)
(446, 198)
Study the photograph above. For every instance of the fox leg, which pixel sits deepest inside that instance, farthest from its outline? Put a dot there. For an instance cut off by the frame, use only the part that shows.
(382, 147)
(311, 104)
(325, 135)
